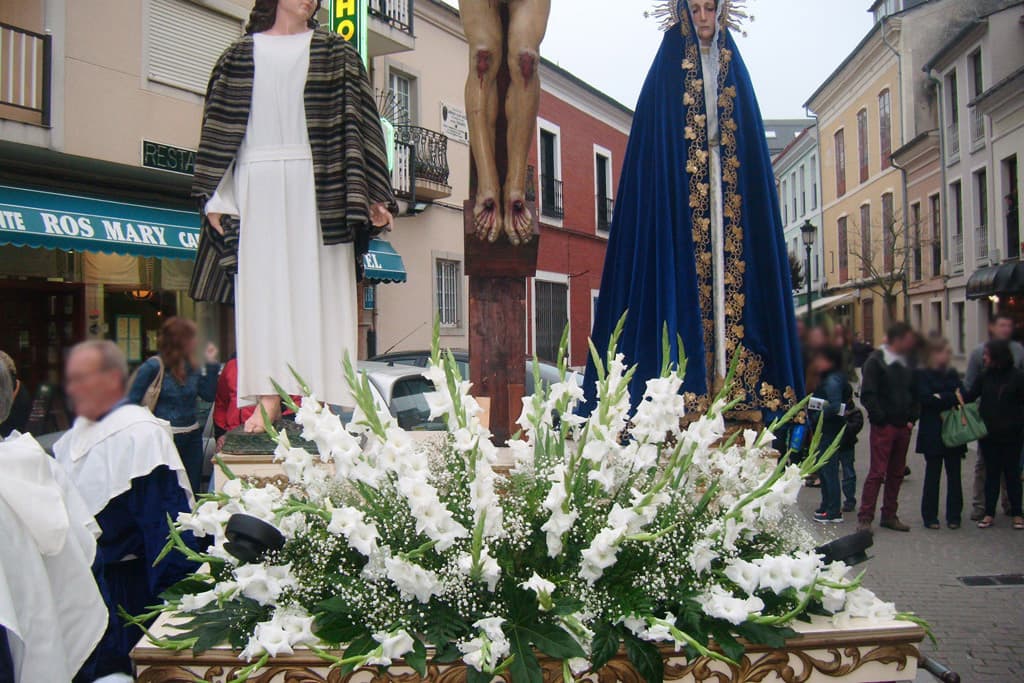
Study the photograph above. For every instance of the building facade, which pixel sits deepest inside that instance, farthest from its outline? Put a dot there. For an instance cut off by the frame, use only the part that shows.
(876, 102)
(796, 177)
(982, 123)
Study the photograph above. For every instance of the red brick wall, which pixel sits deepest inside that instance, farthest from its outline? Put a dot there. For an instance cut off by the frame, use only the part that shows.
(575, 249)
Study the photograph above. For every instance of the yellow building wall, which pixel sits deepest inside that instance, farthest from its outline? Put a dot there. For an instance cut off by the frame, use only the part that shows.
(879, 182)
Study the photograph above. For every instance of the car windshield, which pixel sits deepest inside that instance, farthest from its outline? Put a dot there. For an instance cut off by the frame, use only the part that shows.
(409, 405)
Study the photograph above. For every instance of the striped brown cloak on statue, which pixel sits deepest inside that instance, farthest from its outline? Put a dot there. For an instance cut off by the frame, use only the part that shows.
(349, 155)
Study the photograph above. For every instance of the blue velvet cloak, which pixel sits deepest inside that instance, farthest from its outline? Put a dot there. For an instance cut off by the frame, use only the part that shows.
(659, 265)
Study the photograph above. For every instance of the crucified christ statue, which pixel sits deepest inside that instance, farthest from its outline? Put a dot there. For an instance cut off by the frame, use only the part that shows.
(500, 209)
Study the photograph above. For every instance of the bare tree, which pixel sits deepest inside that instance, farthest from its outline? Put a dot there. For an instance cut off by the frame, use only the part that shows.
(796, 272)
(881, 251)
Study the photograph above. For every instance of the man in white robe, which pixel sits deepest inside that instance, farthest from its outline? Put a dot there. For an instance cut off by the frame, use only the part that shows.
(123, 462)
(51, 611)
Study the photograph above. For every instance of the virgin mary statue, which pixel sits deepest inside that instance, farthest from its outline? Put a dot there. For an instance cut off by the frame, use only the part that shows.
(696, 241)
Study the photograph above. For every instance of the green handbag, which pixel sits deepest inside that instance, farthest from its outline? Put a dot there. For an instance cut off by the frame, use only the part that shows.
(962, 425)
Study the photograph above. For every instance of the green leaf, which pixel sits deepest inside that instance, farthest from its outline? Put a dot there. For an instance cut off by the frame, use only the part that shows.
(187, 586)
(567, 606)
(474, 676)
(448, 654)
(605, 645)
(525, 667)
(772, 636)
(364, 644)
(336, 628)
(553, 641)
(645, 658)
(417, 659)
(730, 647)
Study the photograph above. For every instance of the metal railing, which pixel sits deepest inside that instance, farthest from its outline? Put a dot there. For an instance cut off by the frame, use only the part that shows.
(430, 152)
(953, 139)
(402, 174)
(957, 250)
(551, 197)
(605, 208)
(981, 242)
(395, 13)
(25, 71)
(977, 125)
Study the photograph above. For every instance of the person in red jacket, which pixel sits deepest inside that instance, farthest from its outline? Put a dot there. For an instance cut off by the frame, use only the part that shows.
(226, 413)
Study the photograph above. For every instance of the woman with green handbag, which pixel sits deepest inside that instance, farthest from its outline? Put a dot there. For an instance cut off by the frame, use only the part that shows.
(938, 385)
(999, 391)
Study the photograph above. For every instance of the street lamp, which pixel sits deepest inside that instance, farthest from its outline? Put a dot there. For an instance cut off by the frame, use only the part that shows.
(808, 232)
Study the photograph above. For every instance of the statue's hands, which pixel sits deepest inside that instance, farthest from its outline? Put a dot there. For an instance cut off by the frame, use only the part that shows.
(214, 219)
(380, 217)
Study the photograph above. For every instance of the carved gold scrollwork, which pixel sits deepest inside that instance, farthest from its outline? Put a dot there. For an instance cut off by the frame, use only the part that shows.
(789, 666)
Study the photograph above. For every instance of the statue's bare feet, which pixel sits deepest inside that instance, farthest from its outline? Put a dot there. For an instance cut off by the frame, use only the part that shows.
(272, 406)
(487, 217)
(518, 219)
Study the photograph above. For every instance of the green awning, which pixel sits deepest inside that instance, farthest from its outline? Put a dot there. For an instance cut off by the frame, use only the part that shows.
(382, 263)
(51, 220)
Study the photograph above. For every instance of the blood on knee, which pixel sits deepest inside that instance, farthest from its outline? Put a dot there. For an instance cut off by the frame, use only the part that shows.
(484, 58)
(528, 64)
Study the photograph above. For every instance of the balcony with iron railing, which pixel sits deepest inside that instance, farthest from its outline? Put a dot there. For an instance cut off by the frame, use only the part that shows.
(953, 140)
(551, 197)
(391, 27)
(977, 126)
(25, 75)
(981, 242)
(430, 170)
(403, 180)
(605, 208)
(956, 254)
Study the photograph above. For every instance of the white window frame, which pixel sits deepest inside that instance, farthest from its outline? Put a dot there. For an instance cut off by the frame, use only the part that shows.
(397, 72)
(435, 257)
(543, 125)
(558, 279)
(609, 181)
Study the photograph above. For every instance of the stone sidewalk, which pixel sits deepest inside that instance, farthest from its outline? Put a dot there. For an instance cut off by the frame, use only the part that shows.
(981, 629)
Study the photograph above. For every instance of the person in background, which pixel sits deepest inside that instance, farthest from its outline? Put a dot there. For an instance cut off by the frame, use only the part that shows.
(124, 464)
(1000, 328)
(937, 387)
(815, 339)
(999, 390)
(889, 395)
(841, 341)
(227, 414)
(51, 610)
(861, 350)
(21, 405)
(183, 381)
(834, 393)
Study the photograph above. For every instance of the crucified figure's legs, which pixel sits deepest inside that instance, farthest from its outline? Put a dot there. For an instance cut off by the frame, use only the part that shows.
(482, 22)
(528, 20)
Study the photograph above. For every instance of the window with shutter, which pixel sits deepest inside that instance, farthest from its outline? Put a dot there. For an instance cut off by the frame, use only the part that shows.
(551, 315)
(448, 292)
(184, 41)
(885, 127)
(844, 251)
(840, 153)
(862, 143)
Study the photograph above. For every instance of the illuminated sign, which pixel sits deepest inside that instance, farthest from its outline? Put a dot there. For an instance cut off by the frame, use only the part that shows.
(348, 19)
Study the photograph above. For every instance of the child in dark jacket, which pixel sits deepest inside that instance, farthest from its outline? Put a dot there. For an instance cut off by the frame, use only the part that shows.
(937, 388)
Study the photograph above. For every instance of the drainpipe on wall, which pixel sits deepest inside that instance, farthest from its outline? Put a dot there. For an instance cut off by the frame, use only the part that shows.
(943, 191)
(818, 200)
(903, 172)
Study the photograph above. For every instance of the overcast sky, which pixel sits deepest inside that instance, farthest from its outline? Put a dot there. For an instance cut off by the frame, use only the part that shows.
(792, 46)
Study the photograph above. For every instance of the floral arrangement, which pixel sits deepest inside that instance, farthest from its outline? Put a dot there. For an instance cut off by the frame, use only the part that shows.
(624, 528)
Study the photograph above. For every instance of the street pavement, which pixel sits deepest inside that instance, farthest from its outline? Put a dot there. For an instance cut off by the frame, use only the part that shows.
(980, 630)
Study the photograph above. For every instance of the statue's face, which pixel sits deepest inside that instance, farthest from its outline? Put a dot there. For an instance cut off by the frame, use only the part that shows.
(303, 8)
(705, 14)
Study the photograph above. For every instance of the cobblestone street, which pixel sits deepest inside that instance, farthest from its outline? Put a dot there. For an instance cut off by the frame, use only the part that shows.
(980, 629)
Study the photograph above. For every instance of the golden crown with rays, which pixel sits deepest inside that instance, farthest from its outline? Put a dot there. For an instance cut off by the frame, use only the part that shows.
(734, 14)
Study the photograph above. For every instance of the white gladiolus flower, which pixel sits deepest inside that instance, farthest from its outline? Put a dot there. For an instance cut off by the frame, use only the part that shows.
(744, 574)
(721, 604)
(538, 585)
(600, 555)
(491, 627)
(232, 488)
(486, 651)
(605, 476)
(412, 580)
(297, 625)
(702, 555)
(197, 601)
(350, 523)
(393, 646)
(271, 638)
(260, 502)
(264, 583)
(207, 520)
